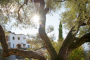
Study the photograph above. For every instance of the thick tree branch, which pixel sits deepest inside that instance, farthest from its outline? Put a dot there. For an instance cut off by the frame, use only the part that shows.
(48, 44)
(88, 22)
(26, 2)
(67, 42)
(79, 42)
(76, 38)
(83, 24)
(63, 52)
(19, 13)
(62, 1)
(23, 53)
(3, 40)
(42, 32)
(68, 39)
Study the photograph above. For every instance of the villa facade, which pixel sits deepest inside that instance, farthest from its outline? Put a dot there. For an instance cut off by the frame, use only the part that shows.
(13, 40)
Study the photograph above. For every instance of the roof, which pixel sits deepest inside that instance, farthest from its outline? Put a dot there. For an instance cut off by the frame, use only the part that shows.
(14, 33)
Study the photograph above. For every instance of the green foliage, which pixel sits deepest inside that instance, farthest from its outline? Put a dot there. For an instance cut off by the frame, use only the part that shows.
(57, 45)
(26, 59)
(72, 10)
(83, 30)
(69, 18)
(87, 55)
(76, 12)
(49, 29)
(53, 5)
(35, 41)
(10, 9)
(60, 32)
(9, 14)
(76, 54)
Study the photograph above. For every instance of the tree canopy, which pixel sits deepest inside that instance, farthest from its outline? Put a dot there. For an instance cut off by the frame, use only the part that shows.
(76, 19)
(77, 13)
(22, 11)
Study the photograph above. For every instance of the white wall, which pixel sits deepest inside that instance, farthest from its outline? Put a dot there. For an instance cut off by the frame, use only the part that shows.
(11, 40)
(16, 41)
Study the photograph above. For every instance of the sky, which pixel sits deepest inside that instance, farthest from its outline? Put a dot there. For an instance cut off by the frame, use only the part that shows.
(53, 20)
(50, 20)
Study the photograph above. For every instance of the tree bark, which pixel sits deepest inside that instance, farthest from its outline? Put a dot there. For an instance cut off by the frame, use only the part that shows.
(48, 44)
(43, 35)
(69, 44)
(63, 52)
(79, 42)
(23, 53)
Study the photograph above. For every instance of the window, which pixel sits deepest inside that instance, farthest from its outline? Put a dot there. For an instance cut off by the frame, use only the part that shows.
(24, 38)
(13, 45)
(24, 45)
(18, 38)
(8, 38)
(9, 44)
(28, 46)
(13, 38)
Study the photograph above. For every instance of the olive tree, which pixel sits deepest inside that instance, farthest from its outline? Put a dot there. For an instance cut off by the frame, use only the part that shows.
(76, 18)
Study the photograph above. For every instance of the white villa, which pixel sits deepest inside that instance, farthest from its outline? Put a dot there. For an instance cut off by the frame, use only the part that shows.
(13, 40)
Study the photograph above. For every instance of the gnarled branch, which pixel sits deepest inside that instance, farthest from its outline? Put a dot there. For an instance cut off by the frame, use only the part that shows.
(62, 1)
(79, 42)
(67, 42)
(42, 32)
(23, 53)
(19, 11)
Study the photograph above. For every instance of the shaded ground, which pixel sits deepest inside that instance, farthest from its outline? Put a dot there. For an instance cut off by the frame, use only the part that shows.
(12, 57)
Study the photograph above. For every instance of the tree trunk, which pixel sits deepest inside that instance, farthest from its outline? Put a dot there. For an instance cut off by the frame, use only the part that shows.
(45, 38)
(63, 54)
(43, 35)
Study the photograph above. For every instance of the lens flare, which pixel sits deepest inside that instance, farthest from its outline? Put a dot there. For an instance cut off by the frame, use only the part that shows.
(36, 18)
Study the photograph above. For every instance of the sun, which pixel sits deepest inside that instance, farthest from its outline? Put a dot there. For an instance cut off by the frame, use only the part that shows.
(36, 18)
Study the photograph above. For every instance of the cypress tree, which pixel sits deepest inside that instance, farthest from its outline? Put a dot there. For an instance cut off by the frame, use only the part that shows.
(60, 32)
